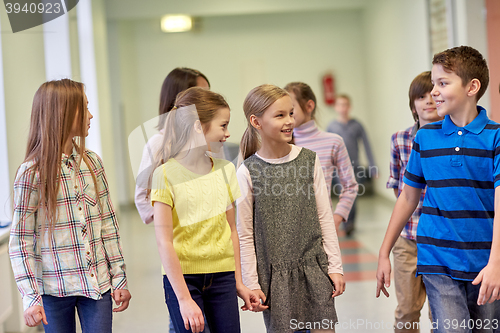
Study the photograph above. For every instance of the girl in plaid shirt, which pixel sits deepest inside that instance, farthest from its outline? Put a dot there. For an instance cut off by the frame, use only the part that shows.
(64, 243)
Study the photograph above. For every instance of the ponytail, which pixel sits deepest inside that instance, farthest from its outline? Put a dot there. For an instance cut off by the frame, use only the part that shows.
(250, 142)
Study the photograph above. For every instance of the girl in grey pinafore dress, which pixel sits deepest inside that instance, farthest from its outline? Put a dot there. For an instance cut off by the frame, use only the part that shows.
(292, 265)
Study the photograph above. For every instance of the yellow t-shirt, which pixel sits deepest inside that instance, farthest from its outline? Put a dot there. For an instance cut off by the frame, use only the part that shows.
(202, 236)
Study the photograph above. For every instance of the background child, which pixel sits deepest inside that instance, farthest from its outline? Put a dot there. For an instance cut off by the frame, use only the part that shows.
(352, 132)
(64, 243)
(193, 197)
(179, 79)
(410, 289)
(457, 236)
(329, 147)
(289, 247)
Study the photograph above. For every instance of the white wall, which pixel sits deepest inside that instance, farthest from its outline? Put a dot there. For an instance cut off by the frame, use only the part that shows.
(397, 49)
(238, 53)
(24, 72)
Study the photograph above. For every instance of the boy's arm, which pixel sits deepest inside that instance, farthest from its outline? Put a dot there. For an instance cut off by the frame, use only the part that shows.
(368, 148)
(395, 166)
(340, 159)
(405, 206)
(489, 276)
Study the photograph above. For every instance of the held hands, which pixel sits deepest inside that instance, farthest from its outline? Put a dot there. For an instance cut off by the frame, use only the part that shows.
(251, 298)
(383, 275)
(34, 315)
(192, 315)
(490, 284)
(258, 301)
(122, 298)
(338, 284)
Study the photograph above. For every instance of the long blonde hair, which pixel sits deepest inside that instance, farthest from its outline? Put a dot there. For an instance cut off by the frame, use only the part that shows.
(256, 103)
(57, 105)
(190, 105)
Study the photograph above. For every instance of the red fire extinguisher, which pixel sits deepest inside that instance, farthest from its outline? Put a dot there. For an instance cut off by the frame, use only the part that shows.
(329, 89)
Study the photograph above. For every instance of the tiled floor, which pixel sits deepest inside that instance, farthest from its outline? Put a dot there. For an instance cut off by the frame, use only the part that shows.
(358, 309)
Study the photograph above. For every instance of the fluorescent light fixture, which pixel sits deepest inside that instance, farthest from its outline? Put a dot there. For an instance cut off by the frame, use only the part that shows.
(176, 23)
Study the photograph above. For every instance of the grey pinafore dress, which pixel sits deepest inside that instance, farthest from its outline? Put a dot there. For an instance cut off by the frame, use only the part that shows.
(291, 263)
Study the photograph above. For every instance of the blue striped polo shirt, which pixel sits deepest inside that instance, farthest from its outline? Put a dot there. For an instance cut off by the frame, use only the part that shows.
(461, 168)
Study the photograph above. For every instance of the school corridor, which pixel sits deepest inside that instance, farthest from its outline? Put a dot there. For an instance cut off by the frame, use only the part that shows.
(358, 310)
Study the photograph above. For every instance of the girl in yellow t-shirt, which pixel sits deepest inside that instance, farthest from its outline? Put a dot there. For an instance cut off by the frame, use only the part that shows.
(193, 197)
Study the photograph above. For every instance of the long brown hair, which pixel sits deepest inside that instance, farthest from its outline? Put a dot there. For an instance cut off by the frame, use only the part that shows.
(303, 93)
(191, 105)
(256, 103)
(57, 105)
(179, 79)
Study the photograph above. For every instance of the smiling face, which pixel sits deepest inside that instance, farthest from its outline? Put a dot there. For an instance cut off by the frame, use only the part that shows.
(425, 107)
(216, 132)
(449, 93)
(277, 122)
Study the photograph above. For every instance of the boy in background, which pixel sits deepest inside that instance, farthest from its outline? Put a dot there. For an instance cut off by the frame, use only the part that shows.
(458, 234)
(351, 132)
(410, 290)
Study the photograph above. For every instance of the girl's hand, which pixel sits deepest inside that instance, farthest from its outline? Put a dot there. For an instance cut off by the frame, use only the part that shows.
(192, 315)
(251, 298)
(258, 302)
(338, 284)
(34, 315)
(121, 296)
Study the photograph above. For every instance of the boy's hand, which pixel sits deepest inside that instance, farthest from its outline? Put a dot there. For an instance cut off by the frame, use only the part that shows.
(192, 315)
(34, 315)
(490, 284)
(122, 298)
(259, 306)
(338, 284)
(383, 275)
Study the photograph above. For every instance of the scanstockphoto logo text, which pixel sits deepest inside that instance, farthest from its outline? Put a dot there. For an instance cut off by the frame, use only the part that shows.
(25, 15)
(270, 179)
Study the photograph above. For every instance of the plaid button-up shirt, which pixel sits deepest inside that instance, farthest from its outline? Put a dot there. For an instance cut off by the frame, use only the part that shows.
(82, 256)
(401, 144)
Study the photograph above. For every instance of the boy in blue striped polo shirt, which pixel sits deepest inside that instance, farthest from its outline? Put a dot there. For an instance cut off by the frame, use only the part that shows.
(458, 159)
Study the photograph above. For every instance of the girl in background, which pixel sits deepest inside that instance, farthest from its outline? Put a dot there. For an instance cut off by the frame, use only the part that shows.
(64, 243)
(289, 248)
(329, 147)
(179, 79)
(193, 196)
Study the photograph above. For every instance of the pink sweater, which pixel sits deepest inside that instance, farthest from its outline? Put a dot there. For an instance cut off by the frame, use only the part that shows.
(334, 159)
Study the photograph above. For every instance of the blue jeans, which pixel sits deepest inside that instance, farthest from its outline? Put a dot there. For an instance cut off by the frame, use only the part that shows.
(215, 294)
(454, 306)
(95, 316)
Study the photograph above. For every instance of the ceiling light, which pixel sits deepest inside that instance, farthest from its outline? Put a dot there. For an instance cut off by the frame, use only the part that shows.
(176, 23)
